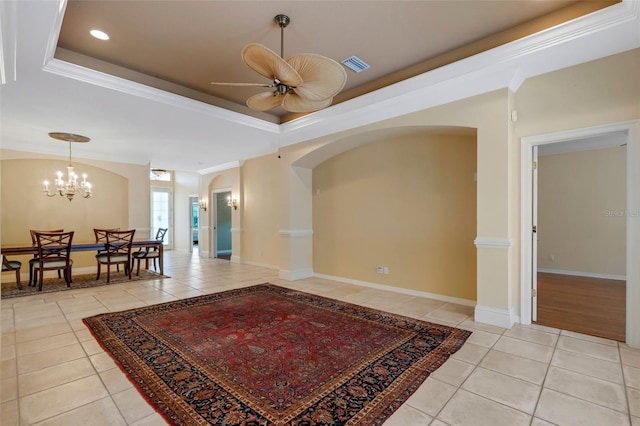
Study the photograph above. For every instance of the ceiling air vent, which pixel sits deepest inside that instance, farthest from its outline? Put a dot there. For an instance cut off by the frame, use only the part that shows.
(356, 64)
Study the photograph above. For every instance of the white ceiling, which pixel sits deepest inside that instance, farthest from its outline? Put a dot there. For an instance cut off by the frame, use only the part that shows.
(135, 123)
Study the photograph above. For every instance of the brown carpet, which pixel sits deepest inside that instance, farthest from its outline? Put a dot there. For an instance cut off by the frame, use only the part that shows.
(50, 285)
(267, 355)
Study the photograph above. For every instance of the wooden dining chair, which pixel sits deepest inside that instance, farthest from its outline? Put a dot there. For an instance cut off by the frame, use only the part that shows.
(101, 237)
(54, 253)
(117, 252)
(12, 265)
(32, 262)
(149, 253)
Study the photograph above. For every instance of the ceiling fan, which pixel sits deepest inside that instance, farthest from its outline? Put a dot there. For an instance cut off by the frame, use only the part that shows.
(305, 82)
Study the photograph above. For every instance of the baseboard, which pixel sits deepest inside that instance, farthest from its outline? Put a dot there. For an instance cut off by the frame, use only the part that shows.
(298, 274)
(407, 291)
(504, 318)
(236, 259)
(583, 274)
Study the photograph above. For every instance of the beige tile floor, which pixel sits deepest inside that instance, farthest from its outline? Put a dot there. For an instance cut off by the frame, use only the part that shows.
(54, 373)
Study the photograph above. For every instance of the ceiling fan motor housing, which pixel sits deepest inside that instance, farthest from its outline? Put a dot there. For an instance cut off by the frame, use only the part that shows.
(282, 20)
(282, 88)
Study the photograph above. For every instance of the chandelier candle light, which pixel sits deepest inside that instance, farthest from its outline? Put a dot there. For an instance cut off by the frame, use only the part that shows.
(71, 186)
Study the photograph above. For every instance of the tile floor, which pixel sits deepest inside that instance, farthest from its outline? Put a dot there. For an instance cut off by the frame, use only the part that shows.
(54, 373)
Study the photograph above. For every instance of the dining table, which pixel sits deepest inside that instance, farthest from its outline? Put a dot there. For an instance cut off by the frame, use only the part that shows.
(22, 250)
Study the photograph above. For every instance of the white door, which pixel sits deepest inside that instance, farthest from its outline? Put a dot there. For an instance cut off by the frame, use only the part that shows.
(162, 213)
(534, 236)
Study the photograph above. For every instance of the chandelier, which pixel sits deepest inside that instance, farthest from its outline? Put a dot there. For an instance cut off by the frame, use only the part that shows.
(72, 185)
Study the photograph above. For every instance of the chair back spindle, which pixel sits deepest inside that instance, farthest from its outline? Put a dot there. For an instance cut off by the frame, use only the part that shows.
(117, 251)
(54, 253)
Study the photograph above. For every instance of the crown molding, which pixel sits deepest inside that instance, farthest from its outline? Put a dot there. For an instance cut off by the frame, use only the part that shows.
(8, 42)
(221, 167)
(97, 78)
(612, 30)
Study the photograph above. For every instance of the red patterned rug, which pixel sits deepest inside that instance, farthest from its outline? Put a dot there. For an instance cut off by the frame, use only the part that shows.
(267, 355)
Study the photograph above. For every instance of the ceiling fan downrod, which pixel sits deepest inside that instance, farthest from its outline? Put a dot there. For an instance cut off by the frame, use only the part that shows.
(282, 21)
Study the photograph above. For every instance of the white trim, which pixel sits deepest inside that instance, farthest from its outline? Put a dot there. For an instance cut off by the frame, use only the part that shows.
(583, 274)
(434, 296)
(235, 259)
(107, 81)
(249, 262)
(296, 233)
(222, 167)
(633, 226)
(298, 274)
(494, 243)
(599, 34)
(236, 230)
(8, 42)
(499, 317)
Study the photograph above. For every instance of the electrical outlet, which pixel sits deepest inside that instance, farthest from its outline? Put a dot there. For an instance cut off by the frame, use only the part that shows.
(380, 269)
(552, 258)
(385, 269)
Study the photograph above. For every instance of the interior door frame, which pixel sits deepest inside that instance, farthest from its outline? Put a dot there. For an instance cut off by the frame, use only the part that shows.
(534, 233)
(632, 130)
(214, 220)
(192, 198)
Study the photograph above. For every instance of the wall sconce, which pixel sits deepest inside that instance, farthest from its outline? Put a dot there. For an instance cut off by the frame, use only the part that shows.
(232, 203)
(203, 205)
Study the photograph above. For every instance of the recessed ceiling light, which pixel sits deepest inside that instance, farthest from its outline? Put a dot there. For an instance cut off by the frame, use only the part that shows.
(100, 35)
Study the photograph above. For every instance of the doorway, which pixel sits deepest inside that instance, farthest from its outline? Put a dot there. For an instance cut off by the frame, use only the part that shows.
(221, 238)
(194, 222)
(162, 213)
(629, 134)
(580, 250)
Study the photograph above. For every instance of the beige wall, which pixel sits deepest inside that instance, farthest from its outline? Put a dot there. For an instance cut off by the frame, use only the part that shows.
(581, 211)
(278, 195)
(24, 206)
(263, 207)
(595, 93)
(599, 92)
(409, 204)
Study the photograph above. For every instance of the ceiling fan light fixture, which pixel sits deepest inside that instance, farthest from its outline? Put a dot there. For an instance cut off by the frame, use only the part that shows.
(304, 82)
(159, 172)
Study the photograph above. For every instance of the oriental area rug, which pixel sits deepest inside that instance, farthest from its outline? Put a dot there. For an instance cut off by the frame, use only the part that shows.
(267, 355)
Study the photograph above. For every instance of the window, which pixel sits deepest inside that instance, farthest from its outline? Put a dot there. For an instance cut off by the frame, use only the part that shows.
(162, 213)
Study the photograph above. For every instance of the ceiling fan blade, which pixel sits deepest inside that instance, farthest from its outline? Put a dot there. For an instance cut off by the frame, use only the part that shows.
(323, 77)
(268, 64)
(242, 84)
(264, 101)
(292, 102)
